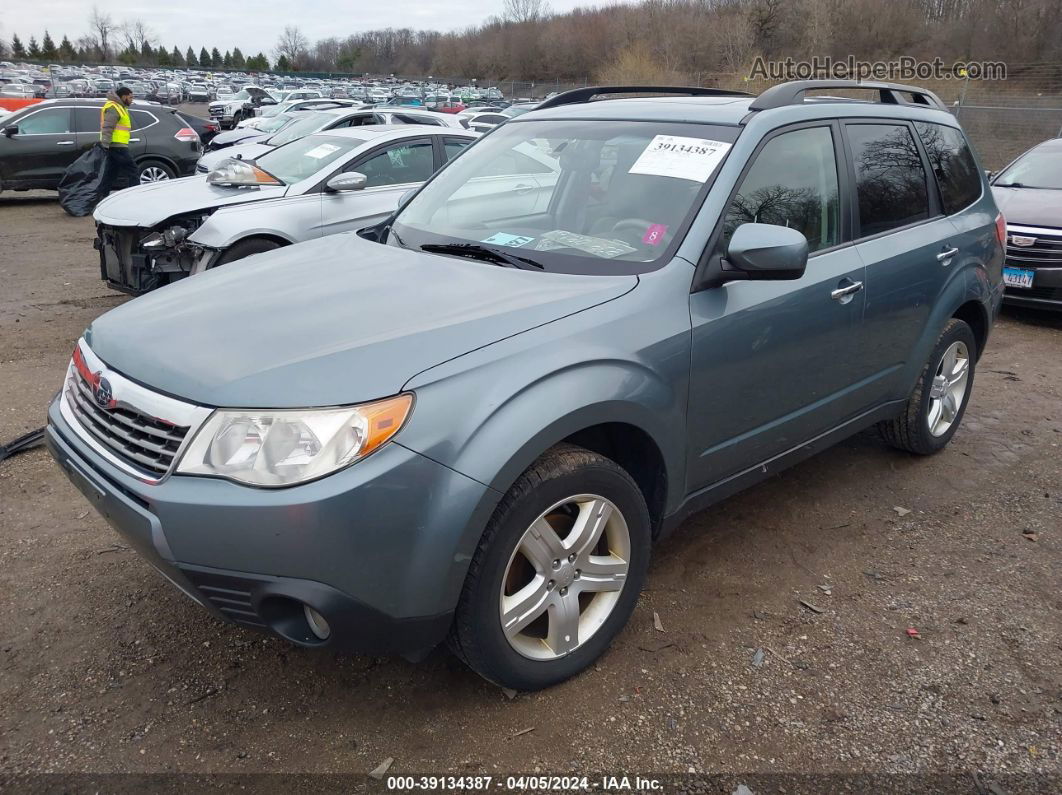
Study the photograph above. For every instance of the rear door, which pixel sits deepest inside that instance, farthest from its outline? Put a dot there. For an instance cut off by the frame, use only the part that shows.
(391, 169)
(38, 154)
(906, 242)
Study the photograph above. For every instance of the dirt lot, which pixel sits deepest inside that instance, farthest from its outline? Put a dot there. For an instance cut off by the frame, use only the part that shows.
(104, 667)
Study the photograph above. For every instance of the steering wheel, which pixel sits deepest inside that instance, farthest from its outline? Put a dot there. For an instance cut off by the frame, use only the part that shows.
(631, 230)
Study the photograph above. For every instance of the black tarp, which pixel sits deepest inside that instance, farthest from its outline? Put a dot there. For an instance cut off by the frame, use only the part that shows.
(79, 187)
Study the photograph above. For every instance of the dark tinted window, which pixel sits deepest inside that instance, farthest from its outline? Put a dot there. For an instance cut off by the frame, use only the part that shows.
(454, 146)
(953, 163)
(87, 119)
(141, 119)
(890, 179)
(793, 182)
(405, 118)
(399, 165)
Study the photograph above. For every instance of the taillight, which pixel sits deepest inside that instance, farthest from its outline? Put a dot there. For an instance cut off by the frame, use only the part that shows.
(1001, 229)
(186, 134)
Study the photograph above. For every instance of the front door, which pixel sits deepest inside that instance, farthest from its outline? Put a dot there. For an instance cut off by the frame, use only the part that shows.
(39, 152)
(772, 361)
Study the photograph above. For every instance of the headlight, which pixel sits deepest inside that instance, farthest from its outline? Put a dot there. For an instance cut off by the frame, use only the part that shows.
(287, 446)
(234, 173)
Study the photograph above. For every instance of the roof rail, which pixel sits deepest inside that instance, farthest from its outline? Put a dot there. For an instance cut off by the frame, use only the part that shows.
(792, 93)
(579, 95)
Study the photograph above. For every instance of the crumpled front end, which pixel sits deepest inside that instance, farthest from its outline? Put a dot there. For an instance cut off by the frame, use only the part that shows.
(136, 260)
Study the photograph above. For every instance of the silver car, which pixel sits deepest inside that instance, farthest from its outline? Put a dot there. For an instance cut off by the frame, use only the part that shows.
(319, 121)
(322, 184)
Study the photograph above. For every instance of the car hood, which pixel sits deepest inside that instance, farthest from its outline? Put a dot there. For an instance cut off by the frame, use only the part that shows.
(239, 135)
(246, 151)
(333, 321)
(1030, 206)
(147, 205)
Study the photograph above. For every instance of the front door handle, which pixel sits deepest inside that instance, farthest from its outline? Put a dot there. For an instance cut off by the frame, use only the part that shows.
(841, 293)
(134, 140)
(946, 255)
(523, 188)
(64, 143)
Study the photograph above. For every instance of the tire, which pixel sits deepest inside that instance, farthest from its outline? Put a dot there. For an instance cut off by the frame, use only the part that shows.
(916, 430)
(565, 485)
(149, 171)
(245, 248)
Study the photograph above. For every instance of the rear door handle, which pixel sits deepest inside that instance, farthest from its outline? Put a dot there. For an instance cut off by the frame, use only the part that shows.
(946, 255)
(134, 140)
(843, 292)
(64, 143)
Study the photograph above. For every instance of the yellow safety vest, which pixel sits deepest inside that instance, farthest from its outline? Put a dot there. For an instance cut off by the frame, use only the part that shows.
(124, 126)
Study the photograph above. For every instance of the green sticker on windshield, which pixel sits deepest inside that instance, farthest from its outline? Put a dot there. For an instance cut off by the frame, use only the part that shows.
(502, 239)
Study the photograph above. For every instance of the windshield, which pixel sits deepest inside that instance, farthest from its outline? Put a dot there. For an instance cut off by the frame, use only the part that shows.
(310, 123)
(1035, 169)
(276, 123)
(304, 158)
(573, 196)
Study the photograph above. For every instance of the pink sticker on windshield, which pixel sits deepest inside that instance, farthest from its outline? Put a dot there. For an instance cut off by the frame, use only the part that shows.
(654, 235)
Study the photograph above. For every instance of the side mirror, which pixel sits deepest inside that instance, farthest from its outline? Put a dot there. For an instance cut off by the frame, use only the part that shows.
(990, 174)
(765, 251)
(347, 181)
(11, 129)
(403, 200)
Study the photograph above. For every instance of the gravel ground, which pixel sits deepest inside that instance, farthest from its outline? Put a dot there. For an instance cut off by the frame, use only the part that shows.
(785, 612)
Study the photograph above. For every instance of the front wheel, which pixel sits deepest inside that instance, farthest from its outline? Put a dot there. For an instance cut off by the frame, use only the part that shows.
(246, 248)
(557, 573)
(937, 404)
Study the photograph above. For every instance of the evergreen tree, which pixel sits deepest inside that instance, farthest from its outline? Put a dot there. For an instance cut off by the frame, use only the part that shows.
(282, 64)
(147, 54)
(238, 61)
(227, 60)
(258, 63)
(189, 58)
(17, 48)
(162, 57)
(67, 52)
(215, 59)
(48, 51)
(34, 51)
(204, 58)
(176, 58)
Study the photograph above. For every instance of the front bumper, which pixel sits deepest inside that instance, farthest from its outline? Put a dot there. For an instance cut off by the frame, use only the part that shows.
(379, 549)
(1046, 292)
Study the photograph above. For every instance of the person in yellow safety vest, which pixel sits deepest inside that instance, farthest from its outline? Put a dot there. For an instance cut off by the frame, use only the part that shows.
(115, 129)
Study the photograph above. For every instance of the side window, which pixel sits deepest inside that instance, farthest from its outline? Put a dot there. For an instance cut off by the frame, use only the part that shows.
(407, 119)
(793, 182)
(87, 120)
(141, 119)
(890, 179)
(513, 162)
(407, 162)
(952, 163)
(53, 121)
(454, 147)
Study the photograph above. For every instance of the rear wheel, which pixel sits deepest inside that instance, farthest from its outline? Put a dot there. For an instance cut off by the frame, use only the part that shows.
(557, 572)
(938, 402)
(245, 248)
(154, 171)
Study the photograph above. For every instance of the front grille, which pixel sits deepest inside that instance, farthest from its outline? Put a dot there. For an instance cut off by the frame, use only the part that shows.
(1046, 250)
(144, 442)
(1042, 293)
(230, 595)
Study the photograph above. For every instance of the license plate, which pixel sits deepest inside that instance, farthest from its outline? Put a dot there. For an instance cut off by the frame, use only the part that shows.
(1018, 277)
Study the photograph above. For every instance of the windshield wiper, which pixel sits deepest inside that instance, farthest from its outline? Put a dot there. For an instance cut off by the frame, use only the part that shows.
(476, 251)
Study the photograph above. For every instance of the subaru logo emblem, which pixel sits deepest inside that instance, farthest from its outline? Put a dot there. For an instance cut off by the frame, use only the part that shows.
(1019, 240)
(103, 394)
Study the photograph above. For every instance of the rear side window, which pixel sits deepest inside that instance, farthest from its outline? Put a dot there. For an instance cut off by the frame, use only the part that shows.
(141, 119)
(952, 163)
(454, 146)
(793, 183)
(890, 178)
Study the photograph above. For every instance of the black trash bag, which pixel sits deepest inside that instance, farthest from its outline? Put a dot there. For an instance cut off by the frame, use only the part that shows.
(80, 186)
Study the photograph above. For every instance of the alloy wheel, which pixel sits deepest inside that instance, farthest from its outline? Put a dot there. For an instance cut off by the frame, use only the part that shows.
(153, 174)
(564, 577)
(948, 388)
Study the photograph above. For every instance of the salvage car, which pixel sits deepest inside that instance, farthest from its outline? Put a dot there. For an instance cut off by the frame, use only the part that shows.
(246, 135)
(297, 105)
(229, 110)
(1029, 192)
(40, 141)
(470, 425)
(317, 120)
(321, 184)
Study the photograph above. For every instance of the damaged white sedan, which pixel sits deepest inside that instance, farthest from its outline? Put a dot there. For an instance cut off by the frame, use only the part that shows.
(334, 181)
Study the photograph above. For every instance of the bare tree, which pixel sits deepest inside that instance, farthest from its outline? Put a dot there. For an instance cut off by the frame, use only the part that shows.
(525, 10)
(292, 45)
(102, 24)
(136, 34)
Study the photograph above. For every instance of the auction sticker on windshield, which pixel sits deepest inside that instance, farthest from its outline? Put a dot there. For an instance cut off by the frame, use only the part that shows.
(322, 150)
(684, 158)
(502, 239)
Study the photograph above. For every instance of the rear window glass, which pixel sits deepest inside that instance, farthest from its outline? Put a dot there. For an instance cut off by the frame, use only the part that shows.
(953, 164)
(890, 179)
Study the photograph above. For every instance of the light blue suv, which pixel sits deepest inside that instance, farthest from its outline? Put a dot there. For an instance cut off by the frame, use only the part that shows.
(472, 422)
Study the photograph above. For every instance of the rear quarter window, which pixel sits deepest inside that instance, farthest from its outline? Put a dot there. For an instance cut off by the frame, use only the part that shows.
(953, 165)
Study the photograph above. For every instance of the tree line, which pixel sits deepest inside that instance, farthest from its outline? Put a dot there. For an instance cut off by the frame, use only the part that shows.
(651, 39)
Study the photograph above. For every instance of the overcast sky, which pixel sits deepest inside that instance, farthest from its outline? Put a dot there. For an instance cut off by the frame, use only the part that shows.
(252, 27)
